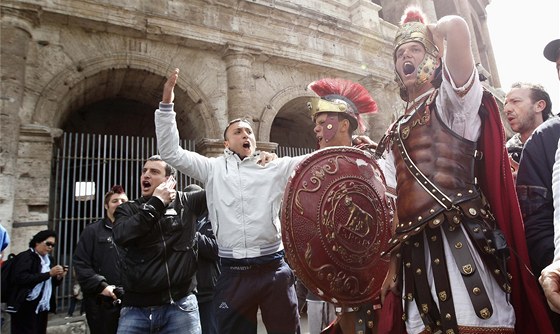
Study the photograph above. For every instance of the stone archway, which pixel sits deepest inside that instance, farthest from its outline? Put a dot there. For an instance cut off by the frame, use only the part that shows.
(123, 77)
(285, 121)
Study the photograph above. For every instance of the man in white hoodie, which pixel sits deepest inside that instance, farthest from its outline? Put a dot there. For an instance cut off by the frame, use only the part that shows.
(243, 198)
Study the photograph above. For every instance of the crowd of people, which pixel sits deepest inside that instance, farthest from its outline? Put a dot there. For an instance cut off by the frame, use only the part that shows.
(467, 227)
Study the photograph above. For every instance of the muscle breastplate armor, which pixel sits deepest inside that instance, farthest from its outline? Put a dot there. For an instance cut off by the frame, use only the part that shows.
(444, 158)
(436, 187)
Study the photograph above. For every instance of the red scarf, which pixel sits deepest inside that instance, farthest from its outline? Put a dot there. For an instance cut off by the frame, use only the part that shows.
(497, 184)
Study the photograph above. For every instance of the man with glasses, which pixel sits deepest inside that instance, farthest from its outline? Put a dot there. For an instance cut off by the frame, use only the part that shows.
(243, 203)
(158, 230)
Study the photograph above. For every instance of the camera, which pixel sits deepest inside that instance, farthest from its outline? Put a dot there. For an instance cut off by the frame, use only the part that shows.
(119, 292)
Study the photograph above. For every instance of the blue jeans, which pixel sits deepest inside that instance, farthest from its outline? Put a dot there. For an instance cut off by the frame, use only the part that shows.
(181, 317)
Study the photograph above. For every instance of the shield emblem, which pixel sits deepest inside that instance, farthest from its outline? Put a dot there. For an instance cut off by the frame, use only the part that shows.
(335, 223)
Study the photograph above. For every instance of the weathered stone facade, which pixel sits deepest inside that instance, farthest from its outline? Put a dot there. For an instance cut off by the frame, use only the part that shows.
(99, 66)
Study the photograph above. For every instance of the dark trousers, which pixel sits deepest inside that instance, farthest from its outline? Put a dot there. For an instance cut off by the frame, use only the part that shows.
(207, 317)
(242, 290)
(72, 306)
(26, 321)
(102, 318)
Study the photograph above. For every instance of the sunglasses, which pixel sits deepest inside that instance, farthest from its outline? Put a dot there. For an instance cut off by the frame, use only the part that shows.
(50, 244)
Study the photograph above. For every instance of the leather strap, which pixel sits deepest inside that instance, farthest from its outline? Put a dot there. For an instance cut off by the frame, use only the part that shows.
(481, 235)
(387, 137)
(364, 319)
(427, 307)
(441, 280)
(408, 276)
(480, 225)
(465, 263)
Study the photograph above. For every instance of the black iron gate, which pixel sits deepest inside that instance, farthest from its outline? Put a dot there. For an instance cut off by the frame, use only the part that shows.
(85, 167)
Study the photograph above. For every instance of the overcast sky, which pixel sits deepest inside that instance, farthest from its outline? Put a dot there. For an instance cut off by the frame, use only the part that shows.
(519, 30)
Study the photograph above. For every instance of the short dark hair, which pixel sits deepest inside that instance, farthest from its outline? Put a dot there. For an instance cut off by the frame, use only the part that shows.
(345, 116)
(192, 188)
(169, 170)
(233, 121)
(116, 189)
(40, 237)
(537, 93)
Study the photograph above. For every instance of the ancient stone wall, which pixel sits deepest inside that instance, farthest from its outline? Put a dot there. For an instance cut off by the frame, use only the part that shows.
(249, 59)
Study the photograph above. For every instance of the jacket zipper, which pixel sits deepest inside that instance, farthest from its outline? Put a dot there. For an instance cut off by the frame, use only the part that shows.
(165, 261)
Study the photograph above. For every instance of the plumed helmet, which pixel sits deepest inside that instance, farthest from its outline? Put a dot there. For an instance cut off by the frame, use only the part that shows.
(413, 28)
(341, 96)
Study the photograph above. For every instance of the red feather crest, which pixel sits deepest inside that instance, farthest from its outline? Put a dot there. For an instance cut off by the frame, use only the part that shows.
(362, 101)
(414, 14)
(352, 91)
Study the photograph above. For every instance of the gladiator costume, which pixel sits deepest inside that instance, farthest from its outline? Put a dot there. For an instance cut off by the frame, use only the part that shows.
(442, 202)
(454, 257)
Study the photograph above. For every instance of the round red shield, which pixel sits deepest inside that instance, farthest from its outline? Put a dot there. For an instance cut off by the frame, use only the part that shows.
(335, 223)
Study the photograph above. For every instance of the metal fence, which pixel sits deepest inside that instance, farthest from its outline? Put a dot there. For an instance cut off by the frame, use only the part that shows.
(292, 151)
(85, 167)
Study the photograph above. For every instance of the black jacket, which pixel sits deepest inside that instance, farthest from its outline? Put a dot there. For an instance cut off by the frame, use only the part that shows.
(534, 190)
(208, 260)
(96, 260)
(160, 263)
(26, 273)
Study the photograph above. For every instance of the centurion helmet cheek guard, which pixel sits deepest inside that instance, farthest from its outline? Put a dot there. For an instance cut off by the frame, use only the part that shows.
(414, 29)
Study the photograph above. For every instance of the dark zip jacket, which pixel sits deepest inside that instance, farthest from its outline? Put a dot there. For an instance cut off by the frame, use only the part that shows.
(160, 264)
(208, 261)
(96, 260)
(25, 275)
(534, 190)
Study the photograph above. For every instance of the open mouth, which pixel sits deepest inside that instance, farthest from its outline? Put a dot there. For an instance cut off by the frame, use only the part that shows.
(319, 139)
(408, 68)
(146, 184)
(247, 145)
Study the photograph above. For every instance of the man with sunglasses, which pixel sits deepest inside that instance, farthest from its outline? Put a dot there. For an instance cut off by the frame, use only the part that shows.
(243, 203)
(158, 231)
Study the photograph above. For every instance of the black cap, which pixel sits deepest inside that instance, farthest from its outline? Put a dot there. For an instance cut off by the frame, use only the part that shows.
(551, 50)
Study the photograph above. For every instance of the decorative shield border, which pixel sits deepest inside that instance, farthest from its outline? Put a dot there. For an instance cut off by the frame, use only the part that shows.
(336, 220)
